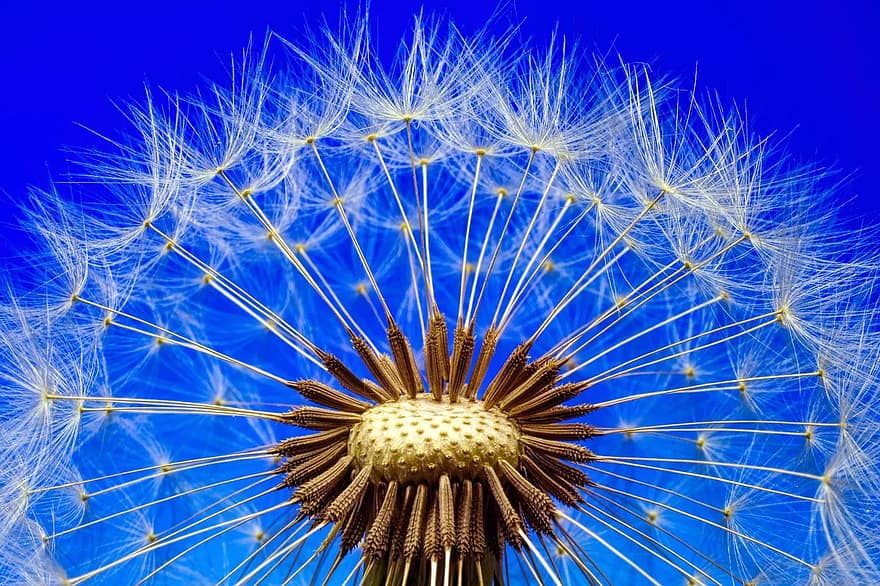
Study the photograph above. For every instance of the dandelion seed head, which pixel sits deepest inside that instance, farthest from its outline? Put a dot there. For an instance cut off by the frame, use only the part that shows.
(483, 314)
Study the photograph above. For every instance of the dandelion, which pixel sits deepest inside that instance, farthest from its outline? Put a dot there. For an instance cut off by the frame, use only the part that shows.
(489, 314)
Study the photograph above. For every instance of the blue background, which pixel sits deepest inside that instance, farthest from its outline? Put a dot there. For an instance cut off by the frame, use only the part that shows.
(806, 69)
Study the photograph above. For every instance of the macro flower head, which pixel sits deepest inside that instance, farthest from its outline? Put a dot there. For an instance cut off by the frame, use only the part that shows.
(487, 314)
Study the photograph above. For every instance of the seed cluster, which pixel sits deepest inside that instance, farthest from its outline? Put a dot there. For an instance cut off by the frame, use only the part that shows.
(434, 482)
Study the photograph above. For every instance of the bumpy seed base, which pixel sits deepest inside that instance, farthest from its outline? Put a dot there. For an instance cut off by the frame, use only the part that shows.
(418, 440)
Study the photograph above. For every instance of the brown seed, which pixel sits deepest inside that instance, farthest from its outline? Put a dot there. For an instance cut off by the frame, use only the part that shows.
(511, 523)
(404, 360)
(349, 380)
(439, 323)
(317, 418)
(447, 513)
(538, 506)
(547, 399)
(478, 516)
(315, 492)
(390, 373)
(487, 351)
(417, 520)
(376, 541)
(561, 431)
(432, 547)
(327, 396)
(538, 382)
(398, 523)
(558, 413)
(463, 344)
(557, 486)
(343, 505)
(299, 457)
(509, 371)
(528, 370)
(297, 473)
(358, 521)
(314, 441)
(437, 356)
(371, 361)
(558, 469)
(464, 518)
(563, 450)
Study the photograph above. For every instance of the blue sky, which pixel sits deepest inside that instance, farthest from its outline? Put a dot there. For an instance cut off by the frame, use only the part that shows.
(809, 70)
